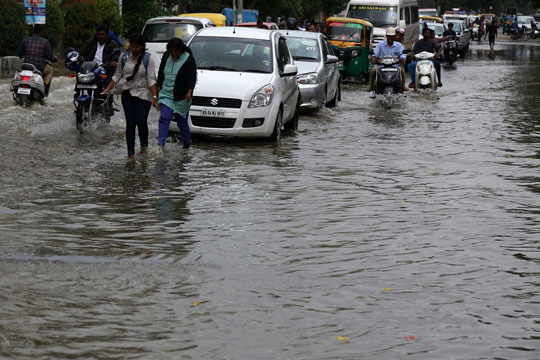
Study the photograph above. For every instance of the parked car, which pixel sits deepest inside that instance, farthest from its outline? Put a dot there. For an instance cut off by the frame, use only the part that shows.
(246, 85)
(318, 69)
(463, 35)
(267, 25)
(158, 31)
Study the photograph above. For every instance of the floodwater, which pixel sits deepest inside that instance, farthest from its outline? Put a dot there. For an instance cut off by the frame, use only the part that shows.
(409, 232)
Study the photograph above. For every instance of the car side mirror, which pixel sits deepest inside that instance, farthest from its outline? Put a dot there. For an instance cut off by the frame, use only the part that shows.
(289, 70)
(402, 24)
(331, 59)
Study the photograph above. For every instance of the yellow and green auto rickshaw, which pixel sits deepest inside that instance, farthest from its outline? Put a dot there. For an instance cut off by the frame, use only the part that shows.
(351, 41)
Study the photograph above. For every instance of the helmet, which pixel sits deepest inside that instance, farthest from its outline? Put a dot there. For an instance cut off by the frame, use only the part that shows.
(400, 31)
(291, 21)
(73, 60)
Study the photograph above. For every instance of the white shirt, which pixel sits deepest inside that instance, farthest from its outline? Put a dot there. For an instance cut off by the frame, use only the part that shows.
(99, 53)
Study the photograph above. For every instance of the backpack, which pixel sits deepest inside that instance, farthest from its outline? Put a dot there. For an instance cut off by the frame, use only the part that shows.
(145, 60)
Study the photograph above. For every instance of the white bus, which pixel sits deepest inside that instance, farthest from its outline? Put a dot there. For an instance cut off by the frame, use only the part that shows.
(384, 14)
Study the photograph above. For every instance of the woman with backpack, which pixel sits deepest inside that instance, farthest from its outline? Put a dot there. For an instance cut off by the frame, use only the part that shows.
(135, 80)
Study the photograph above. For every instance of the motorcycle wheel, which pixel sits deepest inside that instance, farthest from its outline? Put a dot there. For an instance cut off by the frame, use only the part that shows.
(25, 101)
(80, 116)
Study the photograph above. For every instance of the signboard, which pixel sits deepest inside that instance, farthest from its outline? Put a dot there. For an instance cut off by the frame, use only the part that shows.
(35, 11)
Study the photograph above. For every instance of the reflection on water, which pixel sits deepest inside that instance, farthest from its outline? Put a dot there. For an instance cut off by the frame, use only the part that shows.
(410, 228)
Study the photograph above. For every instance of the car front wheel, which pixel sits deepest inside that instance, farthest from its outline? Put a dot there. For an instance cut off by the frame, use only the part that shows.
(276, 134)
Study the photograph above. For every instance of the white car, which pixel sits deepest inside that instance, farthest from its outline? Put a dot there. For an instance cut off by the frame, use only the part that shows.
(158, 31)
(246, 84)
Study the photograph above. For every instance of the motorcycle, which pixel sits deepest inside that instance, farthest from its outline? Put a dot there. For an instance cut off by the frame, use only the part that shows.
(475, 32)
(535, 34)
(425, 74)
(27, 85)
(450, 51)
(388, 79)
(92, 79)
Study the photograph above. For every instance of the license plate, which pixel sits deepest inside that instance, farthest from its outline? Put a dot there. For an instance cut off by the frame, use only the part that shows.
(24, 91)
(213, 112)
(86, 86)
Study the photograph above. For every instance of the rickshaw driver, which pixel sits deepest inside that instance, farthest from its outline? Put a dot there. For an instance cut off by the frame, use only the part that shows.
(388, 47)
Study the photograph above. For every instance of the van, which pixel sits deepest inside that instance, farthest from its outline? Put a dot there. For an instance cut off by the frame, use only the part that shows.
(159, 30)
(384, 14)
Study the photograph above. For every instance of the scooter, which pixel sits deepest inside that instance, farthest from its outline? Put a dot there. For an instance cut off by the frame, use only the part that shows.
(388, 80)
(475, 32)
(91, 79)
(28, 85)
(425, 74)
(450, 51)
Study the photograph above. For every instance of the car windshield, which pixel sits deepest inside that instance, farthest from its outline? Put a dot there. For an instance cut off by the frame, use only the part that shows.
(339, 31)
(379, 16)
(163, 32)
(232, 54)
(439, 29)
(457, 26)
(303, 49)
(525, 19)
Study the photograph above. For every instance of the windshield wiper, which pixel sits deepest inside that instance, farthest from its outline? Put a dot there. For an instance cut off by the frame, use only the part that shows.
(216, 68)
(304, 58)
(255, 71)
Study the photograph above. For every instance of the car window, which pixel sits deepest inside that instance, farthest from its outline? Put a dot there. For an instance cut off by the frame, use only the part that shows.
(284, 56)
(304, 49)
(232, 54)
(328, 46)
(163, 32)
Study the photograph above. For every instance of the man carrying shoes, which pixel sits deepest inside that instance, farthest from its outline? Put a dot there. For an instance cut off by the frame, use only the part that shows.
(388, 47)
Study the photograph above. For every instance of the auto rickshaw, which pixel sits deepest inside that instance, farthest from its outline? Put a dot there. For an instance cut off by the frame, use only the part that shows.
(217, 19)
(351, 41)
(431, 19)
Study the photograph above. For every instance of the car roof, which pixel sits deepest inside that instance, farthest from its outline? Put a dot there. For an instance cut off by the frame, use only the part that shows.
(300, 34)
(237, 32)
(179, 19)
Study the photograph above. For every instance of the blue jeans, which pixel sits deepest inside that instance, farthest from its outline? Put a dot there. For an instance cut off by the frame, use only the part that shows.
(136, 111)
(167, 114)
(412, 68)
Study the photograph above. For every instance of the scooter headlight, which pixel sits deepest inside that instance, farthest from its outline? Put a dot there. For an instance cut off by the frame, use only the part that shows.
(85, 78)
(310, 78)
(263, 97)
(354, 53)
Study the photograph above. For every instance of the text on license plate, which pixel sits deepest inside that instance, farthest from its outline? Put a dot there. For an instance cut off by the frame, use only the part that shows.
(86, 86)
(24, 91)
(212, 112)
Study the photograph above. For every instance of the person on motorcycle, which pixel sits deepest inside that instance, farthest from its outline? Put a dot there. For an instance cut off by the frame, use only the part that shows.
(450, 32)
(36, 51)
(400, 34)
(101, 48)
(436, 61)
(388, 47)
(515, 26)
(426, 44)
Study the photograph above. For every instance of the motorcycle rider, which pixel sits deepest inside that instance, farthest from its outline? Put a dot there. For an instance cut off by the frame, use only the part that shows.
(426, 44)
(450, 32)
(436, 61)
(101, 49)
(388, 47)
(36, 50)
(400, 33)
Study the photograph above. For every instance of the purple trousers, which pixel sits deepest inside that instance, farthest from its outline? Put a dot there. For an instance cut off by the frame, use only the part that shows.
(167, 114)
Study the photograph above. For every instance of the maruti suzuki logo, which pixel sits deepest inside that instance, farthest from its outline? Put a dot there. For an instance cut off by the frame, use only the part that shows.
(214, 102)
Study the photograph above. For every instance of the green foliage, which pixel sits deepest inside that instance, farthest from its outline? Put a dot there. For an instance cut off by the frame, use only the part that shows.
(54, 27)
(136, 12)
(12, 26)
(80, 20)
(108, 9)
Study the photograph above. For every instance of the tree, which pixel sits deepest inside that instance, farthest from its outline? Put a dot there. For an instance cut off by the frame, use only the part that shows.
(108, 9)
(54, 27)
(80, 20)
(136, 12)
(12, 26)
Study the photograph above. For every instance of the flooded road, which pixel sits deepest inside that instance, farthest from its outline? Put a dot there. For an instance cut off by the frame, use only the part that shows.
(371, 233)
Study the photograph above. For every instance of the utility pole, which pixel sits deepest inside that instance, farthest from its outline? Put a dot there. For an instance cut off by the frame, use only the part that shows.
(120, 6)
(240, 11)
(233, 12)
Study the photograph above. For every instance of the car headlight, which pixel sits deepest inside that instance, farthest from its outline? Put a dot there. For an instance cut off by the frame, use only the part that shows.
(85, 78)
(354, 53)
(310, 78)
(263, 97)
